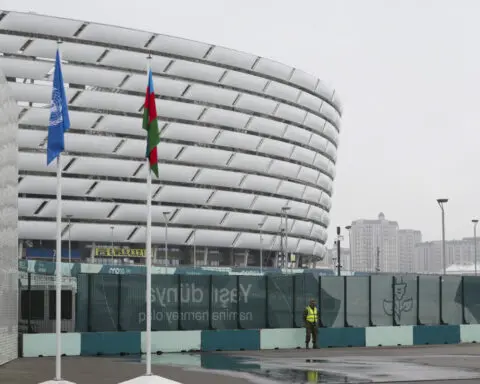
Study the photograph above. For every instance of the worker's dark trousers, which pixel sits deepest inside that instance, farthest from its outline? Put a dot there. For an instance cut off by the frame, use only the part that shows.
(312, 330)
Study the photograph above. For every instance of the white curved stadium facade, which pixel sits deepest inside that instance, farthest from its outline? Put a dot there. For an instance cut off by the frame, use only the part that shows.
(241, 137)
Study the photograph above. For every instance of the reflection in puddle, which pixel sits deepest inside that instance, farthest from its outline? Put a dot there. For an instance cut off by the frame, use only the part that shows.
(333, 370)
(253, 367)
(176, 359)
(301, 376)
(294, 374)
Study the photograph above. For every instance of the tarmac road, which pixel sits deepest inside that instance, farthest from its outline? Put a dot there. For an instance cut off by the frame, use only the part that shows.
(452, 364)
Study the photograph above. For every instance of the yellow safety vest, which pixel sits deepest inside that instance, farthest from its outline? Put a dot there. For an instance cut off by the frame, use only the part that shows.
(312, 315)
(312, 376)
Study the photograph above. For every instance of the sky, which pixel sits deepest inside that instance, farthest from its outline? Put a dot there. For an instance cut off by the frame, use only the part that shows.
(407, 71)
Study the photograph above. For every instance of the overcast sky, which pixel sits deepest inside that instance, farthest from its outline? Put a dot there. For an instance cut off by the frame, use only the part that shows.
(408, 72)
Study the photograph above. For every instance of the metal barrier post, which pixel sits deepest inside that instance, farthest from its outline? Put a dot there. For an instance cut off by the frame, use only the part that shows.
(29, 287)
(345, 321)
(179, 302)
(462, 285)
(370, 320)
(440, 303)
(418, 322)
(89, 302)
(119, 302)
(320, 321)
(210, 301)
(394, 320)
(267, 320)
(294, 301)
(239, 325)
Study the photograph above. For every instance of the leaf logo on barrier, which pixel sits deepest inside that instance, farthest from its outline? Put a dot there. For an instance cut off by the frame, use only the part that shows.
(401, 303)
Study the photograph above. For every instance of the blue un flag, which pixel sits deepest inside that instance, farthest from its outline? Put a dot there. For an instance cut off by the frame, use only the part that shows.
(59, 120)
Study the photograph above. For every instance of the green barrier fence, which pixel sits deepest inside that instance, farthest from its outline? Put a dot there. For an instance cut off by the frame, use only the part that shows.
(105, 302)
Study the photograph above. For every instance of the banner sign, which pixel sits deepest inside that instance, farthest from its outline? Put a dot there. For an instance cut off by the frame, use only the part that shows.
(73, 269)
(204, 302)
(120, 252)
(45, 253)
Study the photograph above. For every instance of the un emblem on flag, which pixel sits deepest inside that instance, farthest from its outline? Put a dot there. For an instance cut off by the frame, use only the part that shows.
(56, 115)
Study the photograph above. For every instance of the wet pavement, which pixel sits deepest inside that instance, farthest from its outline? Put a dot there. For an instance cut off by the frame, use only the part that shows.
(452, 364)
(353, 365)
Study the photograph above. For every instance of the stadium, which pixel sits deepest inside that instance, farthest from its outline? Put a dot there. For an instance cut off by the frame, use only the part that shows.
(246, 157)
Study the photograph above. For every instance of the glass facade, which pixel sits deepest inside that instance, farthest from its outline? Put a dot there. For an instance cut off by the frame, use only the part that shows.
(134, 254)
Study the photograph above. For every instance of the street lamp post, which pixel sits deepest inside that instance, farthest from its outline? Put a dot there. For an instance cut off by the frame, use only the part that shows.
(339, 259)
(282, 247)
(111, 239)
(69, 217)
(441, 203)
(350, 258)
(165, 216)
(260, 225)
(475, 222)
(285, 210)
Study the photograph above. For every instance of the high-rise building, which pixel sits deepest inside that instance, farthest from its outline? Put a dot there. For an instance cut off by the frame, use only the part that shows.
(407, 239)
(428, 255)
(374, 245)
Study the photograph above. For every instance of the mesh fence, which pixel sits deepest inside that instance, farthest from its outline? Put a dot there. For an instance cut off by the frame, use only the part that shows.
(37, 303)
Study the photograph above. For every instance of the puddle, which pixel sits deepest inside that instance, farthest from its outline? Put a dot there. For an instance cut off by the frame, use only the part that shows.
(293, 369)
(306, 376)
(252, 367)
(176, 359)
(304, 371)
(277, 374)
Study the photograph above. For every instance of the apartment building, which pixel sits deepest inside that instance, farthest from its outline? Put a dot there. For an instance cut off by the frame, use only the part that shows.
(374, 245)
(407, 240)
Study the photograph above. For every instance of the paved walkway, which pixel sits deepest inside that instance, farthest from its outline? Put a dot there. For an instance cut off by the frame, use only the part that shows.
(435, 364)
(100, 370)
(458, 364)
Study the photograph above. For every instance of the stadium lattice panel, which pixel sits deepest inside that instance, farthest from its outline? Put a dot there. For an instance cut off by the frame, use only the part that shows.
(241, 137)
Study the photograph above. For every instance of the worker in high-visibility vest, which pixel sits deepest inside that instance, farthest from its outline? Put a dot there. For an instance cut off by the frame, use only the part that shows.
(312, 377)
(311, 323)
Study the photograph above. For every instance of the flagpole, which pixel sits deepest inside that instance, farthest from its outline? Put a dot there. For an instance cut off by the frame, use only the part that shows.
(58, 124)
(58, 270)
(58, 266)
(150, 124)
(148, 246)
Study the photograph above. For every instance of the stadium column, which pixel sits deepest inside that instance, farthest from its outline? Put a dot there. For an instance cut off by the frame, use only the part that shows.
(92, 252)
